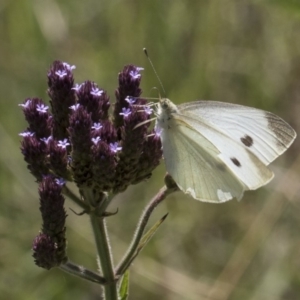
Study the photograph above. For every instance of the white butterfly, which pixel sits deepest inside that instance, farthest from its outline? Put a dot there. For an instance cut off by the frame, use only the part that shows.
(215, 151)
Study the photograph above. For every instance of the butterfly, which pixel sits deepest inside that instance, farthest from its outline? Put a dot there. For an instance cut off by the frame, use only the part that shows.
(215, 151)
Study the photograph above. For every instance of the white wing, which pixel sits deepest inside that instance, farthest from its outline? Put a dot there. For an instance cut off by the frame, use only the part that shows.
(194, 164)
(215, 150)
(263, 133)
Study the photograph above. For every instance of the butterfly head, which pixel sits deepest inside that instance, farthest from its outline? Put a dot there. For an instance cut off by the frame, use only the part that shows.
(167, 106)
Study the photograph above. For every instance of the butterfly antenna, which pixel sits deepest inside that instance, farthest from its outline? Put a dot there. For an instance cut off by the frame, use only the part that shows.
(151, 63)
(143, 123)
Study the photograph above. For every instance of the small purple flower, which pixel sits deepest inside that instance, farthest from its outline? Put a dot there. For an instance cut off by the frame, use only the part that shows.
(42, 108)
(97, 126)
(114, 147)
(96, 91)
(125, 112)
(77, 87)
(61, 73)
(75, 106)
(130, 100)
(63, 144)
(26, 104)
(135, 74)
(26, 133)
(148, 110)
(158, 131)
(96, 140)
(60, 181)
(69, 67)
(46, 140)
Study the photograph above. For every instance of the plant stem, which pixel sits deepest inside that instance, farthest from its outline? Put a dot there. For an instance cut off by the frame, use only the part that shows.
(159, 197)
(82, 272)
(67, 192)
(104, 252)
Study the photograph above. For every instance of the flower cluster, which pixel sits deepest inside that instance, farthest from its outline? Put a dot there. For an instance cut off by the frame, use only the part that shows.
(50, 245)
(76, 139)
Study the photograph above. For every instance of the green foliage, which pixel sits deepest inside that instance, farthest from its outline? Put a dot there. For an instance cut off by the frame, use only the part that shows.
(293, 6)
(124, 286)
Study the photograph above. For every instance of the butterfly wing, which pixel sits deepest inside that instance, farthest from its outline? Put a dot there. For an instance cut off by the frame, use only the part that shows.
(215, 150)
(242, 163)
(264, 134)
(193, 162)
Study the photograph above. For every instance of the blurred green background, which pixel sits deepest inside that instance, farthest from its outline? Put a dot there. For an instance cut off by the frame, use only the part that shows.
(246, 52)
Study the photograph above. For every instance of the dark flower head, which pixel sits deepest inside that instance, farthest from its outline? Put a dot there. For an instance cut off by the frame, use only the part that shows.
(150, 158)
(50, 245)
(104, 165)
(35, 153)
(60, 83)
(78, 141)
(94, 99)
(58, 158)
(107, 132)
(52, 206)
(38, 117)
(81, 139)
(45, 252)
(129, 88)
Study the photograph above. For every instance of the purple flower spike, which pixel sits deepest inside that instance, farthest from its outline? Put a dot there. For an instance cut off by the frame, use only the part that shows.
(76, 139)
(60, 84)
(50, 246)
(63, 144)
(114, 147)
(125, 112)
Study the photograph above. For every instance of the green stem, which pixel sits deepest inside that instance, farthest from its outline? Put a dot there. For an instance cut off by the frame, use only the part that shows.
(82, 272)
(127, 259)
(100, 210)
(104, 251)
(67, 192)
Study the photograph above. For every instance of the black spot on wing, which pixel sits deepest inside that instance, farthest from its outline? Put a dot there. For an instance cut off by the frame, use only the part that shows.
(235, 161)
(247, 140)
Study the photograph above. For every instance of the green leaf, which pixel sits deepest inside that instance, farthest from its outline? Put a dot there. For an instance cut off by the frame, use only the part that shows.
(124, 286)
(149, 234)
(147, 237)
